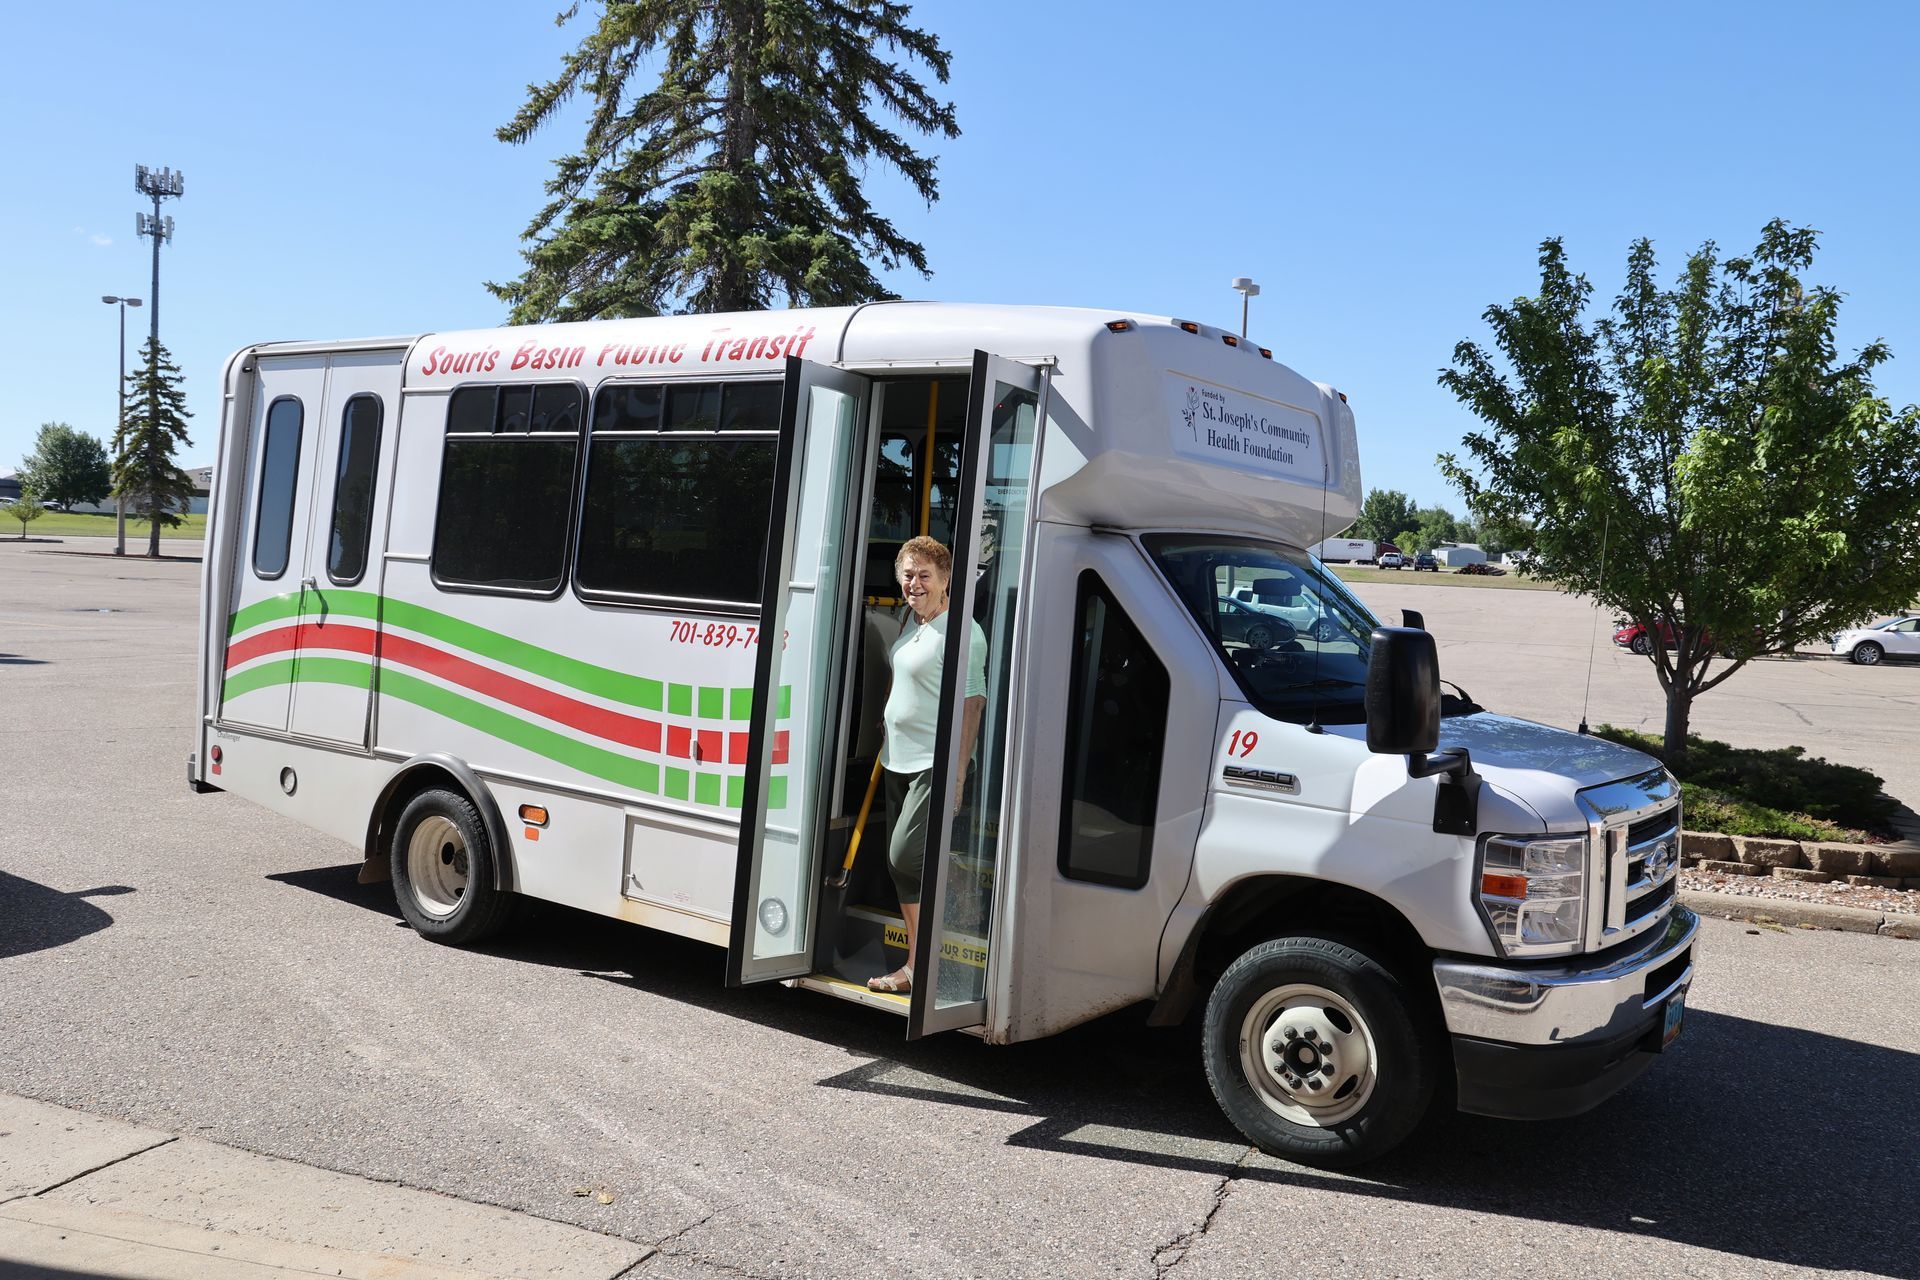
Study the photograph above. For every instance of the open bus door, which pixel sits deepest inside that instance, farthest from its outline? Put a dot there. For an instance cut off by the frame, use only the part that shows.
(801, 660)
(993, 521)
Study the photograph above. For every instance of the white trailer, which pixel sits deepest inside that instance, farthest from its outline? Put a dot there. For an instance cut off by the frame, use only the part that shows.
(1346, 550)
(597, 613)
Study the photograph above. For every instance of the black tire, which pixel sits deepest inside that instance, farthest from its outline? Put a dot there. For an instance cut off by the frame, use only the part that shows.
(1323, 631)
(1642, 644)
(1261, 636)
(1379, 1071)
(450, 893)
(1867, 653)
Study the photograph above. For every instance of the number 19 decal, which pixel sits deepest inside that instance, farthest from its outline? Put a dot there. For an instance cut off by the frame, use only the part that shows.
(1242, 743)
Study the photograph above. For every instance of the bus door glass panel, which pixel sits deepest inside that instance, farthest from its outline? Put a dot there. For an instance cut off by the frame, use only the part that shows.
(992, 530)
(333, 671)
(805, 599)
(262, 634)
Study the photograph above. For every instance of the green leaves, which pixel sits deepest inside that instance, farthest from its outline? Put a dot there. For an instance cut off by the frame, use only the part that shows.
(735, 182)
(1745, 478)
(66, 466)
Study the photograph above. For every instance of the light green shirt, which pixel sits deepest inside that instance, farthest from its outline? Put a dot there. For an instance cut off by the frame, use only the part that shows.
(913, 703)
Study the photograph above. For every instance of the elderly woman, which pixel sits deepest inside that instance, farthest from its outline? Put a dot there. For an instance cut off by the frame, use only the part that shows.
(924, 569)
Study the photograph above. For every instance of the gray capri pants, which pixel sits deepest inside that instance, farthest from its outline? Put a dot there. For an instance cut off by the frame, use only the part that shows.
(908, 805)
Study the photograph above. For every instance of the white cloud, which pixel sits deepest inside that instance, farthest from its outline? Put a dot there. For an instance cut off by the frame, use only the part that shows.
(101, 239)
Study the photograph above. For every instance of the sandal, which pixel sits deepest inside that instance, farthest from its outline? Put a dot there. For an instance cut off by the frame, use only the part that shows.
(897, 983)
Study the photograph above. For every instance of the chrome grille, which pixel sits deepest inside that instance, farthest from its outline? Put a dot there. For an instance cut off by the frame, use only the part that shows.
(1635, 827)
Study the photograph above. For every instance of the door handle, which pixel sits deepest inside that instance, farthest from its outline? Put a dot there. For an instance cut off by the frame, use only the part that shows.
(308, 584)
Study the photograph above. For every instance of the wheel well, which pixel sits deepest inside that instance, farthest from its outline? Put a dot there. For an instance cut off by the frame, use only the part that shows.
(1262, 907)
(424, 774)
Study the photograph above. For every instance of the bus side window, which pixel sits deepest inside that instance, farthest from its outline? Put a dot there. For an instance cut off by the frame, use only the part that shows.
(506, 488)
(353, 490)
(279, 470)
(1116, 731)
(678, 491)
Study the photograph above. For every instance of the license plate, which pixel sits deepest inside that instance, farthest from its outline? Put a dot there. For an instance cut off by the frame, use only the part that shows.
(1675, 1012)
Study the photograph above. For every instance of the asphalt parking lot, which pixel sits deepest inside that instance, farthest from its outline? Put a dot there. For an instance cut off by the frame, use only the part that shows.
(198, 965)
(1527, 653)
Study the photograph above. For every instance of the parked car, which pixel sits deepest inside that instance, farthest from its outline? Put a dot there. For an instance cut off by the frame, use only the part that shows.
(1255, 628)
(1631, 635)
(1893, 637)
(1300, 610)
(1392, 560)
(1427, 562)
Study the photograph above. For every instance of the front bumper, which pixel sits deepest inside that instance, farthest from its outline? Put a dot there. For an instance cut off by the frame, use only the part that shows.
(1555, 1040)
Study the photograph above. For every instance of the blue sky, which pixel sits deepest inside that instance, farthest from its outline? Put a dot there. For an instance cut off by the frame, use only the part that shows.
(1384, 172)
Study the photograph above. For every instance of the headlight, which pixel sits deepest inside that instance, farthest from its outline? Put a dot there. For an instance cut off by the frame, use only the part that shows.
(1534, 893)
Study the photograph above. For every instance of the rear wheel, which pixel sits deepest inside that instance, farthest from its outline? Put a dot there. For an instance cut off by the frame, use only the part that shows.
(1323, 630)
(444, 875)
(1313, 1051)
(1868, 654)
(1642, 644)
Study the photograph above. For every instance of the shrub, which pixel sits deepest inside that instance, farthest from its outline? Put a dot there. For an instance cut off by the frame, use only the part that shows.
(1783, 781)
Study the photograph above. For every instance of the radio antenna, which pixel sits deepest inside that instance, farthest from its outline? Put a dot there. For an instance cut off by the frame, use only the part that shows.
(1593, 632)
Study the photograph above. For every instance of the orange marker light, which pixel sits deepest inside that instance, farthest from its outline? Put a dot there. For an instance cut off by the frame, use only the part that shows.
(1188, 325)
(1119, 326)
(1499, 886)
(533, 815)
(1266, 353)
(1229, 339)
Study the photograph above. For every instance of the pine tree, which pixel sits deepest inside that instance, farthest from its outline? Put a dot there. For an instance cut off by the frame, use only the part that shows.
(155, 422)
(735, 180)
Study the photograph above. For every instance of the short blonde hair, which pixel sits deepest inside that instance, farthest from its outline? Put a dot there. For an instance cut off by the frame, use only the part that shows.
(929, 549)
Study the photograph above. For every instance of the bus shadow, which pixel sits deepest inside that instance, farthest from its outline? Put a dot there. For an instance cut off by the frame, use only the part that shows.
(36, 917)
(342, 884)
(1770, 1142)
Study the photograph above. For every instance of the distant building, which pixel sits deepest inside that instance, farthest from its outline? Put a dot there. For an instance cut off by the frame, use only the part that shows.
(9, 486)
(202, 478)
(1455, 554)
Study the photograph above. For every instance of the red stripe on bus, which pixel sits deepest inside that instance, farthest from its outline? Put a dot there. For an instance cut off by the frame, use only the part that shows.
(614, 726)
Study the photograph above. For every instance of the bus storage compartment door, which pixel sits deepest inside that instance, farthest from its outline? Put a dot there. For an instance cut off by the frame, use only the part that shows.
(805, 602)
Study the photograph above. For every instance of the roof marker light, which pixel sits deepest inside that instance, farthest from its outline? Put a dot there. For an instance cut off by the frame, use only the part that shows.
(1266, 353)
(1119, 326)
(1229, 339)
(1342, 395)
(1188, 325)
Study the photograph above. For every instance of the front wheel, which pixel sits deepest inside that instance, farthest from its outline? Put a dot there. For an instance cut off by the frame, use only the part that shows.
(1324, 631)
(1642, 644)
(1868, 654)
(1314, 1052)
(444, 877)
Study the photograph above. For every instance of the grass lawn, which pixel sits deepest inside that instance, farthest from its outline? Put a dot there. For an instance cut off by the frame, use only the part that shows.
(1445, 578)
(75, 524)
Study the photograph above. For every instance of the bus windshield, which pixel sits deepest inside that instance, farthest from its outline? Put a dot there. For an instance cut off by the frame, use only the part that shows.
(1294, 637)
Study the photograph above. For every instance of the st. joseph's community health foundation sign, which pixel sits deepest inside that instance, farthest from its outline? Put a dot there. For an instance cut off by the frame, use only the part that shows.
(1231, 428)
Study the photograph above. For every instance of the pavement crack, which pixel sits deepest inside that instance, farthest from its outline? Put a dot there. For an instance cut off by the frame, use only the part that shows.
(661, 1244)
(108, 1164)
(1174, 1252)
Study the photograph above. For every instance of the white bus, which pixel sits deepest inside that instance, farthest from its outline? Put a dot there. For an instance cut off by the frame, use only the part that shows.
(598, 613)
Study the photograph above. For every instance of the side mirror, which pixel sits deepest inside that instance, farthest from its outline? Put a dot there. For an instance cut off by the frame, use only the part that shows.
(1403, 692)
(1413, 618)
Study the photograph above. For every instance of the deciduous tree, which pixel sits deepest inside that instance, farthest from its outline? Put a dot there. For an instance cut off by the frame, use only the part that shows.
(1384, 512)
(1742, 477)
(737, 179)
(67, 467)
(26, 509)
(155, 424)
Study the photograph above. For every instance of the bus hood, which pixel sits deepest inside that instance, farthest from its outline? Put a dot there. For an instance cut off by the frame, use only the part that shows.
(1542, 765)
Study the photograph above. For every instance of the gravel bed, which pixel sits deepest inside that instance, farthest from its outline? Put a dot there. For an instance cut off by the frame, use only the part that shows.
(1836, 893)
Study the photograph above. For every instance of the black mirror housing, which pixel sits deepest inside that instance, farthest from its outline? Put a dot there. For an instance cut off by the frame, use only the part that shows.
(1403, 692)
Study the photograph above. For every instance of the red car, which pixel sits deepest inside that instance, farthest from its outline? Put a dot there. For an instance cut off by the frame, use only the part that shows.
(1632, 635)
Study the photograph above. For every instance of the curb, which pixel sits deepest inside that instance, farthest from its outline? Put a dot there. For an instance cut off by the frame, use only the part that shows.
(1806, 915)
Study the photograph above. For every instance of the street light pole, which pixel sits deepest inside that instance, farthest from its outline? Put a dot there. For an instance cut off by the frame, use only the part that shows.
(120, 423)
(1247, 289)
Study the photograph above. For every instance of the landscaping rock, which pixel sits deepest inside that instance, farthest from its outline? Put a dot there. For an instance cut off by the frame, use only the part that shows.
(1875, 882)
(1771, 853)
(1733, 868)
(1896, 862)
(1803, 875)
(1838, 859)
(1709, 844)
